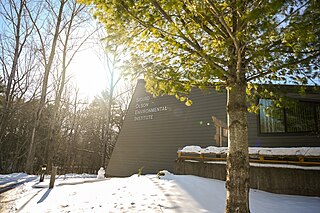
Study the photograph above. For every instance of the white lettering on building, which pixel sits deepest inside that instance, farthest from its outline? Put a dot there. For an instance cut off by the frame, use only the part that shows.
(143, 111)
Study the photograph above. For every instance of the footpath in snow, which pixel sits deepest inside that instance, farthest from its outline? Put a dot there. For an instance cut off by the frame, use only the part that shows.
(147, 193)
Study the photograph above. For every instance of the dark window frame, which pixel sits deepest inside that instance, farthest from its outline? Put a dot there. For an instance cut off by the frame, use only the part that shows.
(286, 133)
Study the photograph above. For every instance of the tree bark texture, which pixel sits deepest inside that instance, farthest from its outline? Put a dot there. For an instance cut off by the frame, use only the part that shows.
(31, 151)
(47, 68)
(5, 118)
(53, 176)
(237, 180)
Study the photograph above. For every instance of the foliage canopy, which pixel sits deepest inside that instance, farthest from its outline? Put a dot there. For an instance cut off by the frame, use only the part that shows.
(183, 44)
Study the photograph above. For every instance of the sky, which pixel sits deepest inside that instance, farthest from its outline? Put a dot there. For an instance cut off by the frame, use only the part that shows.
(89, 68)
(146, 193)
(88, 73)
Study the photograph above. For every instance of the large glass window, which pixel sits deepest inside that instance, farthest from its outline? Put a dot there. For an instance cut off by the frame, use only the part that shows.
(318, 116)
(301, 117)
(271, 119)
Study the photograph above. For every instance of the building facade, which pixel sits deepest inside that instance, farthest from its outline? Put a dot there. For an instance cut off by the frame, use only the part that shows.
(156, 127)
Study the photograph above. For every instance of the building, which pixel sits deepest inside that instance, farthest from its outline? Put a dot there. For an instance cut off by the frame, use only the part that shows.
(155, 128)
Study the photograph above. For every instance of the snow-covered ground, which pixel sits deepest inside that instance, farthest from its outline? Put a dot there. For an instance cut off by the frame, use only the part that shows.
(147, 193)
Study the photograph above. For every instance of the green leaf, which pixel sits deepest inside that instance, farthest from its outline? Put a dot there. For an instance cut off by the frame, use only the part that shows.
(188, 102)
(182, 99)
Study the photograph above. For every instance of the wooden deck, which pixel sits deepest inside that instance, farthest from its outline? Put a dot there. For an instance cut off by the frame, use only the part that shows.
(255, 157)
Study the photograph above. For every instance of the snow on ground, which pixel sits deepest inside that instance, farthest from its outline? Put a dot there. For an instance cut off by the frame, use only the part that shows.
(15, 178)
(147, 193)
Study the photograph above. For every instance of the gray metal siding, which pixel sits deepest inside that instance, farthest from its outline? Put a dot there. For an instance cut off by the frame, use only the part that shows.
(152, 144)
(294, 140)
(284, 140)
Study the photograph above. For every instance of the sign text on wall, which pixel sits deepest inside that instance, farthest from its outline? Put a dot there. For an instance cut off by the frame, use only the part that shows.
(143, 111)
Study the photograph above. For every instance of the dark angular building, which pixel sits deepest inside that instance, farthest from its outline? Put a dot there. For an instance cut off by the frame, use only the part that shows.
(155, 128)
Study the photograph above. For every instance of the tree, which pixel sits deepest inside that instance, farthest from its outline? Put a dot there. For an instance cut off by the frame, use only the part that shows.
(48, 52)
(42, 119)
(58, 43)
(19, 69)
(111, 54)
(16, 58)
(184, 44)
(75, 18)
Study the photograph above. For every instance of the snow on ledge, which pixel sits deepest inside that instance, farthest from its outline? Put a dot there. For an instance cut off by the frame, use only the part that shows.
(268, 165)
(292, 151)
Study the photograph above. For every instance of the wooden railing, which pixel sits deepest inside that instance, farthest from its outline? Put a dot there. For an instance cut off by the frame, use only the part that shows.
(306, 156)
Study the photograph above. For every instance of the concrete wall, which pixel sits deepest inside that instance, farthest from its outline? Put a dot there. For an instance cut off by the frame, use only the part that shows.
(293, 181)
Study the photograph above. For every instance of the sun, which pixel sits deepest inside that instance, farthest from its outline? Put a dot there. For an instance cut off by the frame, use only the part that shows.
(88, 74)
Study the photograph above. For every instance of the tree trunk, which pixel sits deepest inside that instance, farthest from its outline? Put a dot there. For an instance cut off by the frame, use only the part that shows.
(237, 180)
(5, 117)
(53, 176)
(32, 149)
(106, 154)
(47, 68)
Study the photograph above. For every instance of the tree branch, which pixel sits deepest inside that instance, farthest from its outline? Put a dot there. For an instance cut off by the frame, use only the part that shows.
(277, 69)
(223, 23)
(196, 46)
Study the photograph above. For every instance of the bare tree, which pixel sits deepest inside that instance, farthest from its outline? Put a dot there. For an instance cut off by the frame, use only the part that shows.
(111, 55)
(75, 17)
(47, 52)
(38, 42)
(14, 37)
(19, 67)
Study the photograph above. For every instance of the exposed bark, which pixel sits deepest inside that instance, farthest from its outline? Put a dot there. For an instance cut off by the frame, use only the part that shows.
(53, 176)
(17, 62)
(54, 121)
(111, 56)
(48, 64)
(237, 180)
(74, 132)
(15, 15)
(69, 50)
(108, 141)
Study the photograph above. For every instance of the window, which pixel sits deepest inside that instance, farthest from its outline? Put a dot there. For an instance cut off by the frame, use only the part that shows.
(318, 116)
(299, 118)
(271, 120)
